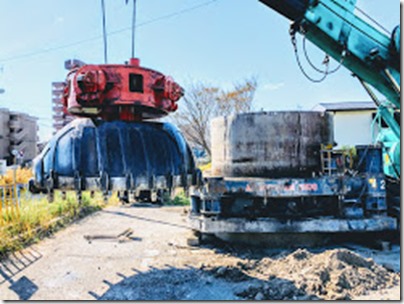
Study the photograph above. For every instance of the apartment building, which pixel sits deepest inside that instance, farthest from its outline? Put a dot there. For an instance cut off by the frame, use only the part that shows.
(18, 134)
(60, 116)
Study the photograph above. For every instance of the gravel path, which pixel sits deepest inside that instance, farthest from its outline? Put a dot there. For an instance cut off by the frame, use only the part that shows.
(151, 260)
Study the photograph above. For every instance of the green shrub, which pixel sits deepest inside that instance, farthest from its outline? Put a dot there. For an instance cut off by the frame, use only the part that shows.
(180, 199)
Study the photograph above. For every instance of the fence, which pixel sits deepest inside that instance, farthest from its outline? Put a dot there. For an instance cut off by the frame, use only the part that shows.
(10, 203)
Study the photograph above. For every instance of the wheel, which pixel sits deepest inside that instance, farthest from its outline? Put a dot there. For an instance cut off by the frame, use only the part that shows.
(123, 197)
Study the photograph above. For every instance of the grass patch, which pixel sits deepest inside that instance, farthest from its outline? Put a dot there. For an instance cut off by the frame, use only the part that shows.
(180, 199)
(38, 218)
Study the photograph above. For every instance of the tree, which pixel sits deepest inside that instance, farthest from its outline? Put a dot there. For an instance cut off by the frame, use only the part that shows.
(202, 102)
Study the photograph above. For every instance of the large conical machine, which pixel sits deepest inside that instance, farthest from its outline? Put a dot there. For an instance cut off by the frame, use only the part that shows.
(113, 145)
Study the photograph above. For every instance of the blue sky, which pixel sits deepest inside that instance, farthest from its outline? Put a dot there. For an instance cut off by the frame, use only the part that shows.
(217, 42)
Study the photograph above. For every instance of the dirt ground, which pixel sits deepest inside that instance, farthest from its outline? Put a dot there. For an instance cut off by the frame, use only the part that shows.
(142, 253)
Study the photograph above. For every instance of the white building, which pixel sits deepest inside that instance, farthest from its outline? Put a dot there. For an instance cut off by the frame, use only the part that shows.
(352, 122)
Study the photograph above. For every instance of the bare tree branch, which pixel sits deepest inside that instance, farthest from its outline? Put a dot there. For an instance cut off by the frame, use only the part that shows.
(202, 103)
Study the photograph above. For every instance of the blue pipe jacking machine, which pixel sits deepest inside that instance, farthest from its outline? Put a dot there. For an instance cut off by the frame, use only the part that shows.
(256, 192)
(286, 180)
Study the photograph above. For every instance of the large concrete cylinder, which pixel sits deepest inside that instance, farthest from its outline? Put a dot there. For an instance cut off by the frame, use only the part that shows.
(269, 144)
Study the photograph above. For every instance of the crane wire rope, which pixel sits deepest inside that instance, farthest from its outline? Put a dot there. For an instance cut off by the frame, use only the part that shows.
(372, 19)
(299, 63)
(154, 20)
(133, 28)
(343, 54)
(104, 31)
(326, 60)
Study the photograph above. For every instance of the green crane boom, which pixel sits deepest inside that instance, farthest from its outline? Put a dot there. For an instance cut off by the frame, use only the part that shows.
(370, 54)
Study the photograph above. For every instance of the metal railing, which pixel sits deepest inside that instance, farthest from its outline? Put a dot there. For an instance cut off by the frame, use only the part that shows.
(10, 203)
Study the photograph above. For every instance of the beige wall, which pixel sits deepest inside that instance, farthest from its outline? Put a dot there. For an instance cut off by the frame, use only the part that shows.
(353, 128)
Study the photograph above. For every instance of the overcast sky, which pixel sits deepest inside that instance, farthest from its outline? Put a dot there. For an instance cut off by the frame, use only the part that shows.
(217, 42)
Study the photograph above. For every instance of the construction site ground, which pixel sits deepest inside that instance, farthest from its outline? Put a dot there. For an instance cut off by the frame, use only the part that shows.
(144, 253)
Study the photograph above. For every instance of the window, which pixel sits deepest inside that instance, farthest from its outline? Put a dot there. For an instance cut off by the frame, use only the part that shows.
(136, 83)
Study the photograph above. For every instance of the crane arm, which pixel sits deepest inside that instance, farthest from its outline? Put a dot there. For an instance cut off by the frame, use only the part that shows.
(370, 53)
(332, 25)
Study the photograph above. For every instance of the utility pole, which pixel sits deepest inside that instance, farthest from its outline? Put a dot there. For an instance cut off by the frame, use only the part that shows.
(2, 91)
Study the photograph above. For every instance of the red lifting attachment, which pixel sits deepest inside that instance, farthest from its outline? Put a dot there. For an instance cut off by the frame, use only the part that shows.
(126, 92)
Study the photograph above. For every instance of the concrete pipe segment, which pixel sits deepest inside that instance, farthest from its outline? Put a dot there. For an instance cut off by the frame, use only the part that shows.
(270, 144)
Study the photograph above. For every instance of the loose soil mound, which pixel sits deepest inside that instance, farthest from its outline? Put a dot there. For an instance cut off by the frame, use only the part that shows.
(334, 274)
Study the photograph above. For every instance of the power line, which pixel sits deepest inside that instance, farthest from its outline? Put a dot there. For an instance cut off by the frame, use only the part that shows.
(163, 17)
